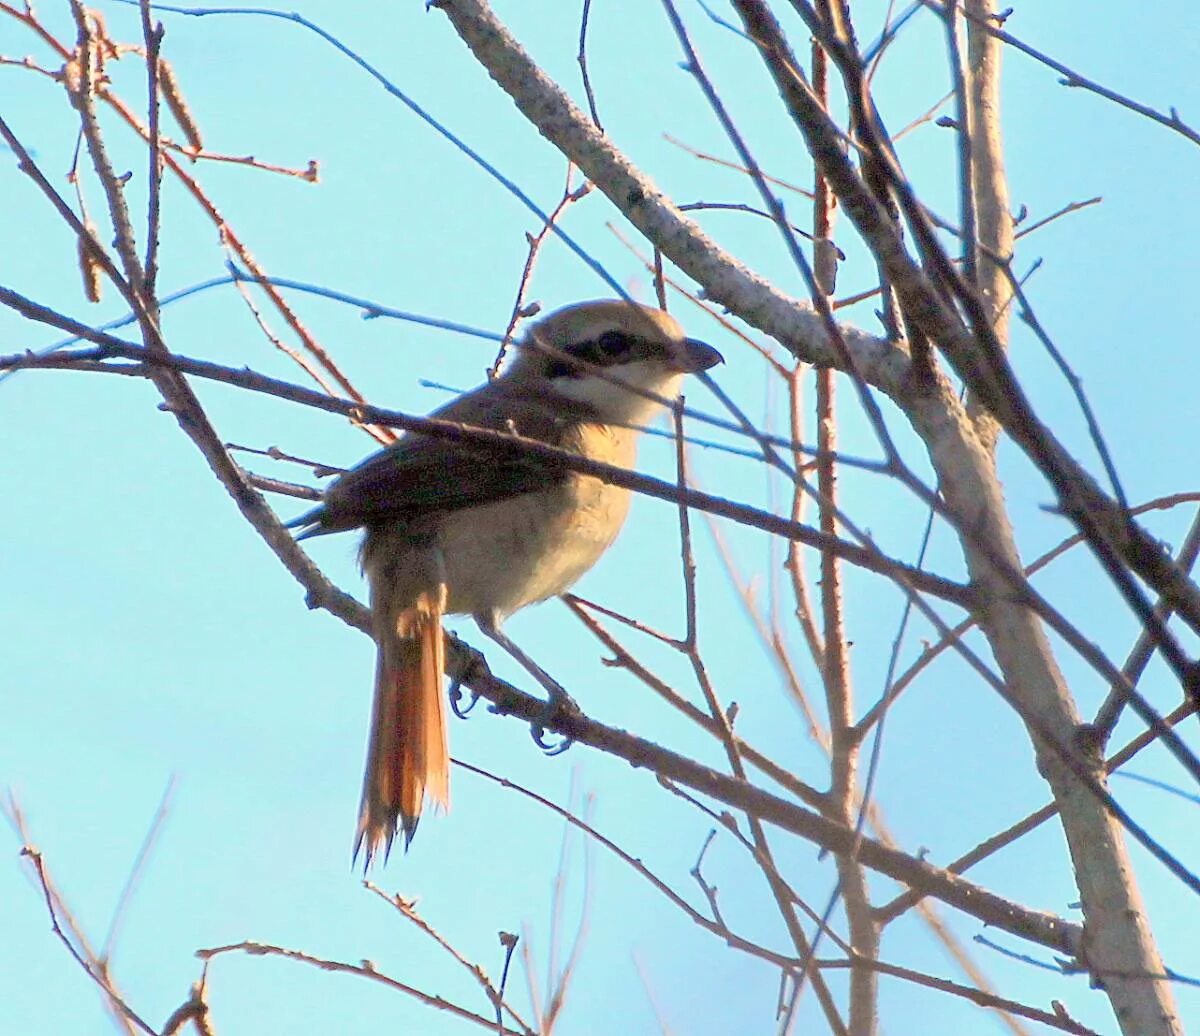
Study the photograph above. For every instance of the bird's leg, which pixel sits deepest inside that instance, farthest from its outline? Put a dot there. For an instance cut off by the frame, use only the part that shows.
(559, 700)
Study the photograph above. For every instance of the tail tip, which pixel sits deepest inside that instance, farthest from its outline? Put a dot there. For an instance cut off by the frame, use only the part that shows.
(374, 837)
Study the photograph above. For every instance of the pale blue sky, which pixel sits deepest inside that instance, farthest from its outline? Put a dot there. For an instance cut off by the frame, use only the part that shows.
(148, 633)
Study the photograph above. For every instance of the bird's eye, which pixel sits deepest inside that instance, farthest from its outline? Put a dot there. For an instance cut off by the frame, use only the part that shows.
(613, 343)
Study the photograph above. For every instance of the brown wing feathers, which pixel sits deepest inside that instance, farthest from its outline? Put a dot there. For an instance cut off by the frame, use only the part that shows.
(421, 476)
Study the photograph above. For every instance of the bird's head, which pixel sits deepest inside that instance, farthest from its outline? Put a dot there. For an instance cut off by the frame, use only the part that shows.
(612, 356)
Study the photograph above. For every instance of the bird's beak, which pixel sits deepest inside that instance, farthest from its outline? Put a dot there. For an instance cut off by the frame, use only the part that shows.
(697, 356)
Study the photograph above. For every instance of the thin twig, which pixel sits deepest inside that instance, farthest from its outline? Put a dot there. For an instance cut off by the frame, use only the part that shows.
(1071, 78)
(365, 970)
(407, 909)
(76, 943)
(581, 57)
(136, 871)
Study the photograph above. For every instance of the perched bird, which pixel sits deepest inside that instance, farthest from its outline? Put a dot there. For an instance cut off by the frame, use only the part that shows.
(458, 527)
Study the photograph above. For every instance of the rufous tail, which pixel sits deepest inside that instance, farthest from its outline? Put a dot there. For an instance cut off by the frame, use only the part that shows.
(408, 759)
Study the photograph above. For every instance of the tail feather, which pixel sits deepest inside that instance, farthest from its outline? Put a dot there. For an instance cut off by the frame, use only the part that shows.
(408, 759)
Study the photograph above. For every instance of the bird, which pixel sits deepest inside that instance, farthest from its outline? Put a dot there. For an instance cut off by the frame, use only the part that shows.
(453, 526)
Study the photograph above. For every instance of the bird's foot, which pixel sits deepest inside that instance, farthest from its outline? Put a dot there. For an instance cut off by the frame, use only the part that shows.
(456, 697)
(559, 705)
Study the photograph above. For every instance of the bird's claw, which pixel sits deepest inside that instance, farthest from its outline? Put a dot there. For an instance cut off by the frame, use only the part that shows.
(456, 696)
(538, 733)
(559, 704)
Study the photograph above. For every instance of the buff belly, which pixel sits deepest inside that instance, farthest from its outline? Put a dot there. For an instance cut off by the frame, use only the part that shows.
(503, 556)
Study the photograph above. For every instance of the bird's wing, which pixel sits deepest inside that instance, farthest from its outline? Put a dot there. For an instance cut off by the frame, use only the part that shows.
(421, 475)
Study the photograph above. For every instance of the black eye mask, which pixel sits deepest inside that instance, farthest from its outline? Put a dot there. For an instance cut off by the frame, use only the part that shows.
(606, 350)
